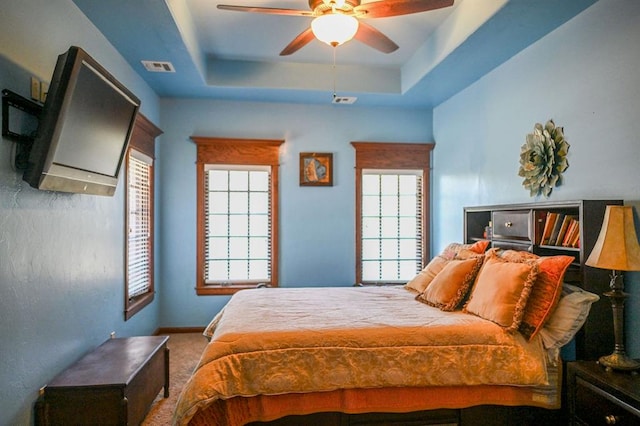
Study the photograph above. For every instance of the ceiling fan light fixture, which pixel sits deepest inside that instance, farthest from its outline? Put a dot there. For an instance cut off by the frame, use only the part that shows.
(338, 4)
(334, 28)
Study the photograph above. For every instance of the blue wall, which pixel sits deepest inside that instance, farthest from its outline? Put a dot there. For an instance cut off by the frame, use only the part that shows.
(317, 224)
(61, 255)
(585, 77)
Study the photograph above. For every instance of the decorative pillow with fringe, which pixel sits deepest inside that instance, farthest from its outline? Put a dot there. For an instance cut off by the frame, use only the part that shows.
(453, 251)
(449, 288)
(420, 282)
(501, 291)
(546, 289)
(459, 250)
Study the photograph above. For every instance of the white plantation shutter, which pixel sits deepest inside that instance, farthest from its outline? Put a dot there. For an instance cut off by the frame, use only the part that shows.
(139, 174)
(139, 217)
(391, 225)
(392, 211)
(237, 221)
(237, 224)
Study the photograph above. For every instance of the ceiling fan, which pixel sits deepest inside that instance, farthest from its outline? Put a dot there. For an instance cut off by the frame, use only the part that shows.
(341, 20)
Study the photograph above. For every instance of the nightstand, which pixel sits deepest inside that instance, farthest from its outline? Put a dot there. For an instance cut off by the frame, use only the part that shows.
(599, 397)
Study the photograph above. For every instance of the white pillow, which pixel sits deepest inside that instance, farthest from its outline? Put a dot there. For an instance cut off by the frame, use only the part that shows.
(568, 317)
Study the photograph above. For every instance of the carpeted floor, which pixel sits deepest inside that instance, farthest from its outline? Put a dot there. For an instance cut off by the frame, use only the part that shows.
(184, 353)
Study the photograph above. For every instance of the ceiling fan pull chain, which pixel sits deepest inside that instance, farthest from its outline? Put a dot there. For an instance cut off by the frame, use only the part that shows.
(334, 72)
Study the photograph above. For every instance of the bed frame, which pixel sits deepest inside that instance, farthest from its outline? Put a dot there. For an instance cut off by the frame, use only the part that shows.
(489, 415)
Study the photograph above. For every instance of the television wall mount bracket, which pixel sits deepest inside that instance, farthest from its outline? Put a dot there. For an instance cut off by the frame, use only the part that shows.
(12, 99)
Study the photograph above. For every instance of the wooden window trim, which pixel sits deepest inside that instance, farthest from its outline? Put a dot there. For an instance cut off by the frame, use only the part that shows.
(143, 140)
(390, 156)
(258, 152)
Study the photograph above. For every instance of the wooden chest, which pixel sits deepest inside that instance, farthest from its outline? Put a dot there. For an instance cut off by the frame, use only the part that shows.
(113, 385)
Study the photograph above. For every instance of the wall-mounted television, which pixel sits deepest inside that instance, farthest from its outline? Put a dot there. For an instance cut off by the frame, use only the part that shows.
(84, 129)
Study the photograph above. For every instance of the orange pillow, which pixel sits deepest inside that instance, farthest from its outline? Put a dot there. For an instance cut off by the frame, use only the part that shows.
(452, 250)
(546, 290)
(451, 285)
(424, 277)
(501, 291)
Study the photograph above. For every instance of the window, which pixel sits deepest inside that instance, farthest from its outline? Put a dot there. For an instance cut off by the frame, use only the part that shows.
(139, 286)
(237, 245)
(392, 188)
(237, 214)
(391, 225)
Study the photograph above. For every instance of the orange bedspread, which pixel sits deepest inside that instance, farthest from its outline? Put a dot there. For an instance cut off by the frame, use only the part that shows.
(302, 340)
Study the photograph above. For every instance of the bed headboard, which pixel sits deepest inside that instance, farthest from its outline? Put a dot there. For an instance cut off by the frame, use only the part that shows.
(529, 227)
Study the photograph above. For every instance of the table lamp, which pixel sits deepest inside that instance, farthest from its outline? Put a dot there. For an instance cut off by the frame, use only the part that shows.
(617, 249)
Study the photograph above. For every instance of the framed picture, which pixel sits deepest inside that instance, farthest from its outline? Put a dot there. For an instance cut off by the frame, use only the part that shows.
(316, 169)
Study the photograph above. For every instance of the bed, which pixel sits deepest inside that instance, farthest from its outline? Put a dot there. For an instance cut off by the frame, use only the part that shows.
(333, 352)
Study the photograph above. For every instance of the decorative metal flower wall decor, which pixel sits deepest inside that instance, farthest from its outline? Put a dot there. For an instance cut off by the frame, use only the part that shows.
(543, 159)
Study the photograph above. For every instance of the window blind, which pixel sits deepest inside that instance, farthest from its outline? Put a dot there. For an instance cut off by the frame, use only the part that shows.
(139, 224)
(237, 224)
(391, 225)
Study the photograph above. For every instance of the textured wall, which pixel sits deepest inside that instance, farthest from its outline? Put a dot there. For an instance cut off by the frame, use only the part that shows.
(61, 255)
(584, 76)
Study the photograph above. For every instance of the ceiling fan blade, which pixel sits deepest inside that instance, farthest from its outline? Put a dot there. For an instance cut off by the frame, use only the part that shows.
(299, 42)
(384, 8)
(268, 10)
(374, 38)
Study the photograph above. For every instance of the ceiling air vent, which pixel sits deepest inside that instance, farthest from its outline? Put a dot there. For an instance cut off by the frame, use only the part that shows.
(158, 66)
(347, 100)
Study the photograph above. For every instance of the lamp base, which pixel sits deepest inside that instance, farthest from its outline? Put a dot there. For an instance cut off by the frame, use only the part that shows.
(619, 361)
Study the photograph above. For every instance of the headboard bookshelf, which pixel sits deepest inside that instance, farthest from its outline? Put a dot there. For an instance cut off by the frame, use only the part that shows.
(522, 227)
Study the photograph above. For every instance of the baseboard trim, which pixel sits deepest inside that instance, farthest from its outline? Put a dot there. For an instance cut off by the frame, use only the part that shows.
(174, 330)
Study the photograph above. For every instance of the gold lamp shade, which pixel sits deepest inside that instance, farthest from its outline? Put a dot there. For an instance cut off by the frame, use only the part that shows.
(617, 245)
(617, 249)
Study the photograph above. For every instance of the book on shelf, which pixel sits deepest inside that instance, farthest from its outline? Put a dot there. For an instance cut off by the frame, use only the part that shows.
(575, 239)
(566, 220)
(560, 229)
(548, 227)
(572, 230)
(567, 234)
(556, 229)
